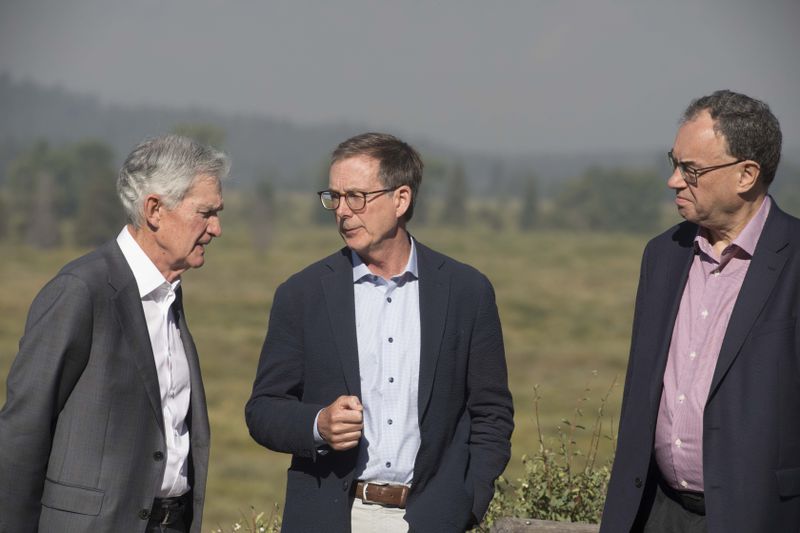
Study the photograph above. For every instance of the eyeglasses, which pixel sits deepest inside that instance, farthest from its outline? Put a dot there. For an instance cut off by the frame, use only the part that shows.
(356, 200)
(689, 174)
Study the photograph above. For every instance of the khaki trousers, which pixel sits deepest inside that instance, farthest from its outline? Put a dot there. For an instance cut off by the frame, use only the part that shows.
(374, 518)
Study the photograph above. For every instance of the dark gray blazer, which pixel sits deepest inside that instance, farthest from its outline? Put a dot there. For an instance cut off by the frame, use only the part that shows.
(82, 432)
(751, 434)
(310, 357)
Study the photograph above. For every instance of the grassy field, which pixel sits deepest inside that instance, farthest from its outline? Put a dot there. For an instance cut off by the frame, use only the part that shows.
(565, 301)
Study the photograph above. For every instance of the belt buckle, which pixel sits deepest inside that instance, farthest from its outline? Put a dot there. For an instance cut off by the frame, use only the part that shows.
(364, 497)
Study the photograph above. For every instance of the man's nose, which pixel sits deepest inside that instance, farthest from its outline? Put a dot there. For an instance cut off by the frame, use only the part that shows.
(214, 227)
(676, 181)
(343, 209)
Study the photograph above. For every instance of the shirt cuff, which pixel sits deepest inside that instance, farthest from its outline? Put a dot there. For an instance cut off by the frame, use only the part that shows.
(318, 440)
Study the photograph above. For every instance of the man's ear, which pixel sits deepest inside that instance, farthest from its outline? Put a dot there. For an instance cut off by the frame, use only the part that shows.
(748, 177)
(152, 210)
(402, 200)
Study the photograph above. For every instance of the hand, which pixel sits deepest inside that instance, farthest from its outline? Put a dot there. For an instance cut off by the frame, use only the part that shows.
(341, 423)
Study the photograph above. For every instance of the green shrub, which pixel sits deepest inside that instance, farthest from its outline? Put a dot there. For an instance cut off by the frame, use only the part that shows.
(566, 485)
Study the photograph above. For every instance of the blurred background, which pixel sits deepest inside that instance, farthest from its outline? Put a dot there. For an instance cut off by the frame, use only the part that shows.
(543, 125)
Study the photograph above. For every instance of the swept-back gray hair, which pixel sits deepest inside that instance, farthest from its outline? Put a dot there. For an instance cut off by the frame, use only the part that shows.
(166, 166)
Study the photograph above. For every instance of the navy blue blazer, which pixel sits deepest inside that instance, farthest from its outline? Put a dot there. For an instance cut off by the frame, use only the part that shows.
(751, 430)
(310, 357)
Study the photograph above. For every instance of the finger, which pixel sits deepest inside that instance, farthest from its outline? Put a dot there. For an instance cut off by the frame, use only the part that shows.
(352, 436)
(350, 402)
(347, 417)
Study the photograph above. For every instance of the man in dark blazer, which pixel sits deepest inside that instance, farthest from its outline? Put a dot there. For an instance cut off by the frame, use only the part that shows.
(383, 371)
(708, 438)
(105, 425)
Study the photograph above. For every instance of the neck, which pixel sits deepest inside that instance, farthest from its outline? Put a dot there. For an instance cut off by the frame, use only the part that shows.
(147, 242)
(723, 235)
(392, 258)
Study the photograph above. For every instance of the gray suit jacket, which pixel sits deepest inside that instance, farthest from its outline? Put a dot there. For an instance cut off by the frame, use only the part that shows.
(82, 434)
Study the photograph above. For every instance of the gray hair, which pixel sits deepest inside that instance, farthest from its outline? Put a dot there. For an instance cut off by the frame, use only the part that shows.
(749, 127)
(167, 166)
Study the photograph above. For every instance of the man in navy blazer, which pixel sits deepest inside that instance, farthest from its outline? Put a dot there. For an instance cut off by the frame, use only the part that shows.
(383, 371)
(709, 438)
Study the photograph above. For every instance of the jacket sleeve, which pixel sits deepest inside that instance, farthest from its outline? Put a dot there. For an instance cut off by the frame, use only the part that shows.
(276, 415)
(489, 402)
(52, 355)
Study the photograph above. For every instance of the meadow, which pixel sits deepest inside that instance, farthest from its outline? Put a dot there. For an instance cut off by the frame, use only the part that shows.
(565, 300)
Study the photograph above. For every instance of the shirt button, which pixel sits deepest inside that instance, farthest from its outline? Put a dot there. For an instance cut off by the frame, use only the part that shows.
(388, 464)
(704, 313)
(678, 443)
(158, 456)
(681, 398)
(389, 421)
(693, 355)
(716, 273)
(389, 299)
(391, 380)
(144, 514)
(684, 484)
(391, 339)
(638, 482)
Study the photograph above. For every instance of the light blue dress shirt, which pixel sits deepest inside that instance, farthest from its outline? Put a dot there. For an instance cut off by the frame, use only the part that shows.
(388, 334)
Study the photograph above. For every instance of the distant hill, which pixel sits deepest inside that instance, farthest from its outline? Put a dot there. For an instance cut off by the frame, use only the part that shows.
(292, 155)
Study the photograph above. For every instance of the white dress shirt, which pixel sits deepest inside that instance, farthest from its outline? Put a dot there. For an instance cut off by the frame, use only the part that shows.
(157, 296)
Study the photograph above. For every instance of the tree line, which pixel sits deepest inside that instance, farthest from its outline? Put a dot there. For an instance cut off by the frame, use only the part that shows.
(54, 195)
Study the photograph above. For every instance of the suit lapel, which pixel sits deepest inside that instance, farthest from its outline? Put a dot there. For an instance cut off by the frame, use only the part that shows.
(198, 415)
(128, 306)
(434, 293)
(673, 267)
(337, 287)
(765, 268)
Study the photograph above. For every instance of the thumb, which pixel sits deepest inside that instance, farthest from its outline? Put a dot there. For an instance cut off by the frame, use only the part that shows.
(352, 402)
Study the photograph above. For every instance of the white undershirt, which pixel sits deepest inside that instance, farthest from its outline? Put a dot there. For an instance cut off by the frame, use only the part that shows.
(157, 296)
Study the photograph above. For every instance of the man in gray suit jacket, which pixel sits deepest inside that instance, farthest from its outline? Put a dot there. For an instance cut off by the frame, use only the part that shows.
(105, 425)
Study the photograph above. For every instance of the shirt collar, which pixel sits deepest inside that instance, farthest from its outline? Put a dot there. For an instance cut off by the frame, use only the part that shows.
(360, 270)
(148, 278)
(748, 238)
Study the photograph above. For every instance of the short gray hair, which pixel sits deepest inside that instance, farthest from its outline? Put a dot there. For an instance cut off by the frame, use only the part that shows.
(167, 166)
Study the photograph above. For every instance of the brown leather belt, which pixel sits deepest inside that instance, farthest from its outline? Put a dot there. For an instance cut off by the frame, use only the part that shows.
(382, 493)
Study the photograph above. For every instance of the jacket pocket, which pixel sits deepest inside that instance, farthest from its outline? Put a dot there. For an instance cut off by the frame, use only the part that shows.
(71, 498)
(788, 482)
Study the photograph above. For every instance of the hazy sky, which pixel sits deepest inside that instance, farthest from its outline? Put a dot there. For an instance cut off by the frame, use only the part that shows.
(503, 76)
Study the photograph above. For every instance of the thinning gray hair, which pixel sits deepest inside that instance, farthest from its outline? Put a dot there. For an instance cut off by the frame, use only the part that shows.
(167, 166)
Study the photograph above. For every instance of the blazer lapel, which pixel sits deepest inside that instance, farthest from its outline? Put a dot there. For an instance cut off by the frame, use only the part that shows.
(337, 287)
(675, 271)
(434, 294)
(198, 414)
(128, 306)
(765, 268)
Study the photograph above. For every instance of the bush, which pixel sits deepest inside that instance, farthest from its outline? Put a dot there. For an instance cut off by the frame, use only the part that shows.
(565, 485)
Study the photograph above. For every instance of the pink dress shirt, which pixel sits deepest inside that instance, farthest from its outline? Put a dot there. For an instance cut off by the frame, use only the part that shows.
(709, 296)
